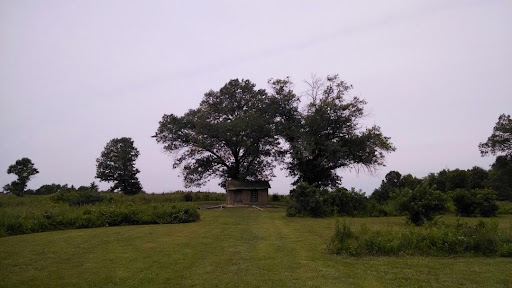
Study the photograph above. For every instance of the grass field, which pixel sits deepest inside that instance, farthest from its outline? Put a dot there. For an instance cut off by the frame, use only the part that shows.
(237, 247)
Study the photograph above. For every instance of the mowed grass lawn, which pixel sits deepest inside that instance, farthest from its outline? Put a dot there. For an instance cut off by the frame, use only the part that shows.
(236, 247)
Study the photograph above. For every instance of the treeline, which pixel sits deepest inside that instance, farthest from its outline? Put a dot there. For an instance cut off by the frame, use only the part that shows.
(498, 179)
(89, 194)
(465, 192)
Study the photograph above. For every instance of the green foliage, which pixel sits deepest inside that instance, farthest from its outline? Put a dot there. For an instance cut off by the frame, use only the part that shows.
(500, 177)
(308, 200)
(393, 182)
(475, 202)
(477, 178)
(187, 197)
(328, 135)
(438, 239)
(312, 201)
(117, 164)
(348, 202)
(423, 204)
(78, 197)
(232, 135)
(500, 141)
(486, 200)
(504, 207)
(43, 215)
(48, 189)
(456, 179)
(23, 169)
(465, 203)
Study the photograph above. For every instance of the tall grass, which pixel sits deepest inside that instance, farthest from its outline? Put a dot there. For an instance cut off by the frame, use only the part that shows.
(436, 239)
(33, 214)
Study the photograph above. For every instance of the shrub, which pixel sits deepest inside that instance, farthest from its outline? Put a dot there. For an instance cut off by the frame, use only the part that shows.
(187, 197)
(482, 238)
(308, 200)
(423, 204)
(61, 217)
(475, 202)
(348, 202)
(77, 197)
(48, 189)
(486, 200)
(465, 203)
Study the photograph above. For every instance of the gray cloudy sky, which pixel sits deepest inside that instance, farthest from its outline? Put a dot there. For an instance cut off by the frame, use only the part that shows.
(75, 74)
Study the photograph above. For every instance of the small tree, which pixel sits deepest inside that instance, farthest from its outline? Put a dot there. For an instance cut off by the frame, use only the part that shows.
(423, 204)
(117, 164)
(475, 202)
(24, 169)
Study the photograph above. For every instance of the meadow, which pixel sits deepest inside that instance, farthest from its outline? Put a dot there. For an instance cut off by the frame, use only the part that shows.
(233, 247)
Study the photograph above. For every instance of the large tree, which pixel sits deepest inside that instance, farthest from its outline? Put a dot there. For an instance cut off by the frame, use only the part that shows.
(500, 141)
(24, 169)
(231, 135)
(117, 164)
(328, 135)
(500, 145)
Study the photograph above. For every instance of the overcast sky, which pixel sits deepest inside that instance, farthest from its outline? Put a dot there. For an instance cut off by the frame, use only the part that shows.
(75, 74)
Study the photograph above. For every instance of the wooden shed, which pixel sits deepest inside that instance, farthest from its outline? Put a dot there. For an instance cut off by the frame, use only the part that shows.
(247, 192)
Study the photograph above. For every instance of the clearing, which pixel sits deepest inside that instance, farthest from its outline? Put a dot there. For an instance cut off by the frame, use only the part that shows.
(236, 247)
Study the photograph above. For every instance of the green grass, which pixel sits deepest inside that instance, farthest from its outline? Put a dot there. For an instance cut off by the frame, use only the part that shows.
(237, 247)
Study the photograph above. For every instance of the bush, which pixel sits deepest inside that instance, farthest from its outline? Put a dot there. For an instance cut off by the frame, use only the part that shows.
(48, 189)
(187, 197)
(486, 200)
(482, 238)
(348, 202)
(465, 203)
(61, 217)
(423, 204)
(77, 197)
(475, 202)
(308, 200)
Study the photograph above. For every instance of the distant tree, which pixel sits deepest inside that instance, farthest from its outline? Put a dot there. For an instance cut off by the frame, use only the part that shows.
(410, 182)
(477, 178)
(24, 169)
(424, 204)
(456, 179)
(94, 187)
(233, 134)
(500, 141)
(117, 164)
(327, 135)
(475, 202)
(391, 182)
(500, 145)
(48, 189)
(500, 177)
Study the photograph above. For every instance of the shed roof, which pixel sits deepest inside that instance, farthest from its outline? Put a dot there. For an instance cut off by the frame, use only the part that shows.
(234, 185)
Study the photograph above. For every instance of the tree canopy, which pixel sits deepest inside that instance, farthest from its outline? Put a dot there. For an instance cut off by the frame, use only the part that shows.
(231, 135)
(24, 169)
(500, 141)
(328, 135)
(117, 164)
(239, 133)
